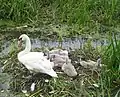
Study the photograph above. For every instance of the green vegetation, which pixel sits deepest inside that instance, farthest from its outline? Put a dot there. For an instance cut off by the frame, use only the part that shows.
(81, 15)
(104, 83)
(111, 59)
(59, 19)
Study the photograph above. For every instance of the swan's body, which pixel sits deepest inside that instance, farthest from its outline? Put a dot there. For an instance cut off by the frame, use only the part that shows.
(58, 60)
(61, 59)
(59, 51)
(84, 64)
(91, 64)
(58, 56)
(69, 69)
(34, 61)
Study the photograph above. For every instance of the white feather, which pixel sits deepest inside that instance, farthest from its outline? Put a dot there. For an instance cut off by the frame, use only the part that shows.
(32, 88)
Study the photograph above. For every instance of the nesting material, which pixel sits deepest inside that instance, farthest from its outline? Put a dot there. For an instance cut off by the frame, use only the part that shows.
(32, 88)
(24, 91)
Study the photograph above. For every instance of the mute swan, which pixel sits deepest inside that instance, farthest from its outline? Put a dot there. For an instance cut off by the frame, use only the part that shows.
(84, 63)
(34, 61)
(58, 56)
(58, 60)
(59, 52)
(61, 59)
(91, 64)
(69, 69)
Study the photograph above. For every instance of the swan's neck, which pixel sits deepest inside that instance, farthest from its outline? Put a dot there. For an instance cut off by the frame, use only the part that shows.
(27, 47)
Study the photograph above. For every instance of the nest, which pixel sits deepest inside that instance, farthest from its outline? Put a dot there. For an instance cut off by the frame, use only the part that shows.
(22, 79)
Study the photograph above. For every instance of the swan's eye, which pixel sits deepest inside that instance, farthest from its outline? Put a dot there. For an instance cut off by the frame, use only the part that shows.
(20, 39)
(53, 56)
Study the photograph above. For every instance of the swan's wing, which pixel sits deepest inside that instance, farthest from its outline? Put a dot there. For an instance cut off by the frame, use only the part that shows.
(35, 54)
(36, 61)
(91, 62)
(59, 51)
(55, 51)
(32, 56)
(42, 65)
(39, 66)
(69, 69)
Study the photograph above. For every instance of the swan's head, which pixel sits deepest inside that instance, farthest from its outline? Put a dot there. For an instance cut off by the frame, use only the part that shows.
(22, 38)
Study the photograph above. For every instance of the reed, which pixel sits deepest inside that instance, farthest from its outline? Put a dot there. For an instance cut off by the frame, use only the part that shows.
(71, 12)
(85, 12)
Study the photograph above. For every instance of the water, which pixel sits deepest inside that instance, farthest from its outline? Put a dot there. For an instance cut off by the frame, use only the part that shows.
(67, 43)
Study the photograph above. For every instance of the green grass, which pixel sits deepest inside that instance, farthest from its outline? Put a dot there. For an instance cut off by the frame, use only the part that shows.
(84, 11)
(107, 79)
(79, 14)
(112, 59)
(22, 11)
(112, 54)
(75, 17)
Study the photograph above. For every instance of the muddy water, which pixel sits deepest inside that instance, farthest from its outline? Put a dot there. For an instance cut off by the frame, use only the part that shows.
(67, 43)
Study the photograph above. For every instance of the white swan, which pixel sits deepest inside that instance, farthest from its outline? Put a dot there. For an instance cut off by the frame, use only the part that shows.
(34, 61)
